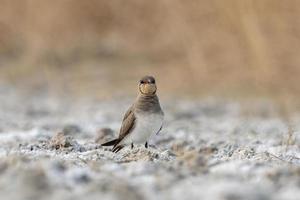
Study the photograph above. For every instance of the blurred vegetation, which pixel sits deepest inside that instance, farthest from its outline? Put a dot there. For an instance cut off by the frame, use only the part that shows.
(233, 47)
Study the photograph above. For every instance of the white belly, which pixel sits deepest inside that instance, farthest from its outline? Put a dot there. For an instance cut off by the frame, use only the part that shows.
(146, 125)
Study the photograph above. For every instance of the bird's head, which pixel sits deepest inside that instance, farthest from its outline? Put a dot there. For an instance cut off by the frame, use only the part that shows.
(147, 85)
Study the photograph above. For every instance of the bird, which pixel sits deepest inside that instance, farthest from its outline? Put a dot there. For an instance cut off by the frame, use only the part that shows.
(143, 118)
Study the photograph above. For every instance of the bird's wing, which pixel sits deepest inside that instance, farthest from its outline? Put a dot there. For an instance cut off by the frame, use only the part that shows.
(127, 123)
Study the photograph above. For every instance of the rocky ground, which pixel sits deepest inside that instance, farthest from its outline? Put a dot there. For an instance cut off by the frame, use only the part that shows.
(208, 149)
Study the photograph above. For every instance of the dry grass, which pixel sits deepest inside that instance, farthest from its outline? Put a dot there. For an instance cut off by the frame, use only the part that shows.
(232, 47)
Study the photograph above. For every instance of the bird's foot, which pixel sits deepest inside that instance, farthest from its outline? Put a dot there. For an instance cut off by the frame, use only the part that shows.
(146, 145)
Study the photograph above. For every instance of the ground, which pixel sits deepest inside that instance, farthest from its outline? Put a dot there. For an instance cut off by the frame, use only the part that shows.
(209, 148)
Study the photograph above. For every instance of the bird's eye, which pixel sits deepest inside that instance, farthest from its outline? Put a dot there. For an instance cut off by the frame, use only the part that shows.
(151, 81)
(142, 82)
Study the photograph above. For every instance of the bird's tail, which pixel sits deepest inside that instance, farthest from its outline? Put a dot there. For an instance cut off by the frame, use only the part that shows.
(111, 143)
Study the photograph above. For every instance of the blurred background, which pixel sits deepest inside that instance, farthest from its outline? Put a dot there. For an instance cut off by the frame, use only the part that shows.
(101, 48)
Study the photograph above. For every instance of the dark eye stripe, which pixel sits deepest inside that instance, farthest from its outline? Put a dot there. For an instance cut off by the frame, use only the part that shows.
(147, 81)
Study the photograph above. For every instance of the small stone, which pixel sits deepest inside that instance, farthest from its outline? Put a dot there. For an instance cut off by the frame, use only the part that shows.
(59, 166)
(208, 150)
(82, 178)
(193, 159)
(59, 141)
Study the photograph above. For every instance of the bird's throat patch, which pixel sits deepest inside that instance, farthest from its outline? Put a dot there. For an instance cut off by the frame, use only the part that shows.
(148, 88)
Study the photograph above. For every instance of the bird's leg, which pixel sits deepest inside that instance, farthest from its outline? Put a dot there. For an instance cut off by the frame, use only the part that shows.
(146, 145)
(159, 130)
(131, 145)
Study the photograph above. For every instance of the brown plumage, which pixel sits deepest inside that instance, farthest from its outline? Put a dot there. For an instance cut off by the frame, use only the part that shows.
(147, 103)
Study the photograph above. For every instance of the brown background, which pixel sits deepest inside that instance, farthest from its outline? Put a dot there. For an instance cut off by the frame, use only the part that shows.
(230, 48)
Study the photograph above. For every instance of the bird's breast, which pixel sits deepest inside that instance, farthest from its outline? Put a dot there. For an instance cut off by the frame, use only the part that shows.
(146, 125)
